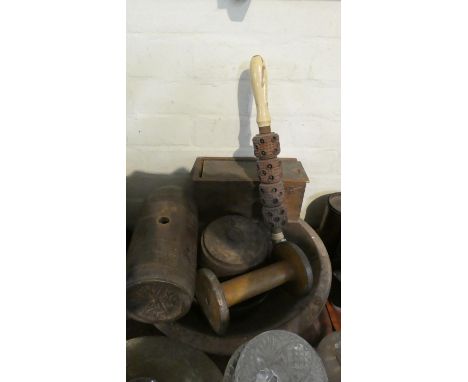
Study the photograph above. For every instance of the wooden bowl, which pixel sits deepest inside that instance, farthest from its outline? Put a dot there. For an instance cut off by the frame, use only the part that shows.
(279, 310)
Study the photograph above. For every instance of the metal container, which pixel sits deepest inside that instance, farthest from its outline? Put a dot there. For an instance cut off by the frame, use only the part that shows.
(161, 259)
(275, 355)
(329, 350)
(330, 229)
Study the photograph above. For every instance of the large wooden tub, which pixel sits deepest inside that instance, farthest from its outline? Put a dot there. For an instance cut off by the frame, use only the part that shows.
(278, 310)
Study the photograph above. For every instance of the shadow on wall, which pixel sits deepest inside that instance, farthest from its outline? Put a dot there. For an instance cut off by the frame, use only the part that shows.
(141, 184)
(244, 103)
(236, 9)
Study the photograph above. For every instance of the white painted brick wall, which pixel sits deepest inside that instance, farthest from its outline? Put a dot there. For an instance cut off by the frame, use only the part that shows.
(188, 90)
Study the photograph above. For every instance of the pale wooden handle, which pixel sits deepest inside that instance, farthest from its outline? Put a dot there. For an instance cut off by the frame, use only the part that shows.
(259, 82)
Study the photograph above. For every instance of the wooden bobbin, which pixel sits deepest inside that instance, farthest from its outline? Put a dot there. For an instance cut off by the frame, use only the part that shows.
(215, 298)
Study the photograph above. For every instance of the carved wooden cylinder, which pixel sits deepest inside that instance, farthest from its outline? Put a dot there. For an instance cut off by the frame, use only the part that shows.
(161, 260)
(275, 216)
(266, 146)
(269, 170)
(271, 189)
(272, 195)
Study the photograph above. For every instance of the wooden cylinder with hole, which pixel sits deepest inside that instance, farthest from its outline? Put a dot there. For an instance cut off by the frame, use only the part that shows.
(162, 258)
(215, 298)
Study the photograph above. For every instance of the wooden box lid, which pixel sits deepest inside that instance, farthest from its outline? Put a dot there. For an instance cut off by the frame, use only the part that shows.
(242, 169)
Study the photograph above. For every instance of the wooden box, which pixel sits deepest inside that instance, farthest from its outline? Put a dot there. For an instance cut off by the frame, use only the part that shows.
(230, 186)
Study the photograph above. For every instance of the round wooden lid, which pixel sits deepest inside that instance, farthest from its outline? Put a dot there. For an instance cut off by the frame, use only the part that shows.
(234, 244)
